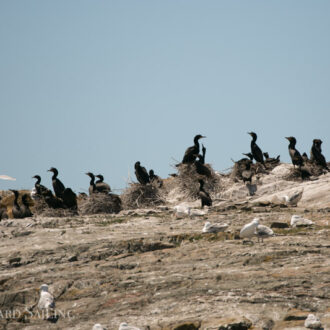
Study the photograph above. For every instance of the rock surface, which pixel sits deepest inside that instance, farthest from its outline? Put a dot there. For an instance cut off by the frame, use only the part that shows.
(149, 269)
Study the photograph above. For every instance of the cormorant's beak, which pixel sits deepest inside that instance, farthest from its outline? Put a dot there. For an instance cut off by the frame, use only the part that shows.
(249, 133)
(203, 137)
(287, 138)
(49, 171)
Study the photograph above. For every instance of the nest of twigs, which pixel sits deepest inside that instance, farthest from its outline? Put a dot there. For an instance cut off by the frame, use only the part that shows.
(187, 181)
(141, 196)
(42, 209)
(100, 203)
(305, 172)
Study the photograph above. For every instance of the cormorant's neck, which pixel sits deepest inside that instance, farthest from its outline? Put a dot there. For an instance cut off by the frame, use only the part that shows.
(254, 139)
(92, 181)
(38, 180)
(292, 144)
(196, 141)
(54, 177)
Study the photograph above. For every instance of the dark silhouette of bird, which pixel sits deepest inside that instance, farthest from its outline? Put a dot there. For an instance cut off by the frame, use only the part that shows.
(40, 189)
(53, 201)
(192, 152)
(247, 173)
(3, 211)
(69, 198)
(305, 158)
(201, 168)
(202, 159)
(255, 150)
(141, 173)
(203, 195)
(58, 186)
(16, 209)
(249, 155)
(294, 153)
(102, 186)
(316, 154)
(92, 186)
(270, 159)
(155, 179)
(25, 207)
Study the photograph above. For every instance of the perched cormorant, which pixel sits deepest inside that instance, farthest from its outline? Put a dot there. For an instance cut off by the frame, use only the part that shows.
(271, 160)
(202, 159)
(305, 158)
(247, 173)
(204, 196)
(192, 152)
(69, 198)
(316, 154)
(16, 210)
(249, 155)
(58, 186)
(155, 178)
(255, 150)
(3, 211)
(40, 189)
(102, 186)
(92, 186)
(141, 173)
(294, 153)
(25, 207)
(201, 168)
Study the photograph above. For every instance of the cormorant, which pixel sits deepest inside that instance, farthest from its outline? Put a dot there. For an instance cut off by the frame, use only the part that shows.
(249, 155)
(141, 174)
(316, 154)
(69, 198)
(92, 186)
(294, 153)
(3, 211)
(58, 186)
(16, 210)
(102, 186)
(255, 150)
(201, 168)
(305, 158)
(155, 178)
(202, 159)
(40, 189)
(247, 173)
(192, 152)
(271, 160)
(25, 207)
(204, 196)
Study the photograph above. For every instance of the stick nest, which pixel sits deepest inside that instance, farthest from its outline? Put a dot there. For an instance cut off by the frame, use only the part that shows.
(141, 196)
(100, 203)
(42, 209)
(187, 181)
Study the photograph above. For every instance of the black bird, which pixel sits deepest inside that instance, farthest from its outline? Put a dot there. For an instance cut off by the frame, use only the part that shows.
(294, 153)
(102, 186)
(53, 201)
(155, 179)
(316, 154)
(249, 155)
(204, 196)
(58, 186)
(305, 158)
(201, 168)
(141, 174)
(25, 207)
(69, 198)
(270, 159)
(3, 211)
(247, 173)
(16, 210)
(192, 152)
(202, 159)
(92, 186)
(40, 189)
(255, 150)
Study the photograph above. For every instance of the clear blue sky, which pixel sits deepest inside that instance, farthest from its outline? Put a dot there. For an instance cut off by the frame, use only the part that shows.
(97, 85)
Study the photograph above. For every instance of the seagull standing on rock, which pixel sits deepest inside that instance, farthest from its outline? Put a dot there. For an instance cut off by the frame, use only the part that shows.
(214, 228)
(249, 230)
(125, 326)
(46, 300)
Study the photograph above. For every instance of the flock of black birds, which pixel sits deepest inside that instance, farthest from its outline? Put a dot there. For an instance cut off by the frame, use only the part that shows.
(65, 198)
